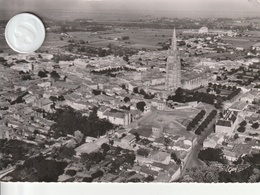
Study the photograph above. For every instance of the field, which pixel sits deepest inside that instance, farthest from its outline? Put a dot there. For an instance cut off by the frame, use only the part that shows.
(245, 42)
(176, 121)
(138, 38)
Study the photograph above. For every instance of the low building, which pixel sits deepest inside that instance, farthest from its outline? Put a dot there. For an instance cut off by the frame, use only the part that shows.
(227, 123)
(115, 116)
(87, 148)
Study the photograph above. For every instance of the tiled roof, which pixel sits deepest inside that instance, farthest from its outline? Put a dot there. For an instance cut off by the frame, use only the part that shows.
(129, 137)
(142, 131)
(240, 149)
(117, 114)
(158, 155)
(148, 171)
(223, 123)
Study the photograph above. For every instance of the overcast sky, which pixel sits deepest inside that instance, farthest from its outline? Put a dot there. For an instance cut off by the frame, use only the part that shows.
(216, 6)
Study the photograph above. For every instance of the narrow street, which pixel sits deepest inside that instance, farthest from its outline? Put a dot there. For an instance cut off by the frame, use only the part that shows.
(193, 160)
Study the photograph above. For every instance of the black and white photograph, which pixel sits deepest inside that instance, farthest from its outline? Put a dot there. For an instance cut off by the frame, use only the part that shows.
(130, 91)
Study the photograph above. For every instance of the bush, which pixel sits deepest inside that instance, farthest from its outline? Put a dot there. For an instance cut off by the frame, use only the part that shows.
(211, 154)
(241, 129)
(243, 123)
(71, 172)
(143, 152)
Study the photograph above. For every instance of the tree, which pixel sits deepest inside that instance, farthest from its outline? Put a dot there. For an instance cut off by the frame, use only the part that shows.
(135, 90)
(71, 172)
(65, 152)
(55, 75)
(105, 147)
(175, 158)
(243, 123)
(134, 180)
(137, 136)
(255, 125)
(202, 174)
(97, 174)
(211, 154)
(78, 136)
(143, 152)
(53, 98)
(142, 92)
(126, 99)
(241, 129)
(87, 179)
(149, 178)
(236, 136)
(123, 86)
(42, 74)
(140, 105)
(130, 158)
(126, 58)
(96, 92)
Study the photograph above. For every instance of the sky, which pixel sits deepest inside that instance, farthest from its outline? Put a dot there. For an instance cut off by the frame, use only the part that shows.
(164, 7)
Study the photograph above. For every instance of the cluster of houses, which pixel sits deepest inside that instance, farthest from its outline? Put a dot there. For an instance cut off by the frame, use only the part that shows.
(234, 142)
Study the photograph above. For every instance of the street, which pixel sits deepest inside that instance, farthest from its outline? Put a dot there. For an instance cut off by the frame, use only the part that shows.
(193, 160)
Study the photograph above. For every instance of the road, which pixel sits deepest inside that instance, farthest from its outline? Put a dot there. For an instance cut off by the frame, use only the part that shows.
(193, 160)
(6, 171)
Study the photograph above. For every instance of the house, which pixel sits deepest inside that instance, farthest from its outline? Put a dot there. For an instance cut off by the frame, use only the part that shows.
(4, 132)
(143, 132)
(101, 141)
(160, 157)
(116, 117)
(147, 108)
(232, 154)
(227, 123)
(87, 148)
(44, 104)
(213, 140)
(126, 142)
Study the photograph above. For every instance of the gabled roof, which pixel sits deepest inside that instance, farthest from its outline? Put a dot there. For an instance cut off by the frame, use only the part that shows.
(117, 114)
(158, 155)
(224, 123)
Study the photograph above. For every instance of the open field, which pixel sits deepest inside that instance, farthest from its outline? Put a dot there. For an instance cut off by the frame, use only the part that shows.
(176, 120)
(138, 38)
(245, 42)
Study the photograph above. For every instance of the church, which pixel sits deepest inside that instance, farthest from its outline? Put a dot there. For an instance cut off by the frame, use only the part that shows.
(174, 78)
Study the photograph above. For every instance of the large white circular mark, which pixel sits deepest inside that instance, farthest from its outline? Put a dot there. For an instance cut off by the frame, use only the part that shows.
(25, 33)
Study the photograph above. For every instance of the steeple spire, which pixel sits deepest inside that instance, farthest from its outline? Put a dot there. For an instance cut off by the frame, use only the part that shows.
(174, 41)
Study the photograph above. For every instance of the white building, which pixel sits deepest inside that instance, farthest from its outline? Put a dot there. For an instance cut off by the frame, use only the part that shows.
(227, 123)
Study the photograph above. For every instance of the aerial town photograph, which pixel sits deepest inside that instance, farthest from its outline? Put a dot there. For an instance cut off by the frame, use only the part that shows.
(144, 91)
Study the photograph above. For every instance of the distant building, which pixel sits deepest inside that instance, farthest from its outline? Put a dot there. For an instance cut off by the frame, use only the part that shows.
(194, 81)
(174, 79)
(114, 116)
(173, 67)
(227, 123)
(203, 30)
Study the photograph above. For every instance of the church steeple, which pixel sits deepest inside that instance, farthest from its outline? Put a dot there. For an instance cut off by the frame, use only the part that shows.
(173, 67)
(174, 41)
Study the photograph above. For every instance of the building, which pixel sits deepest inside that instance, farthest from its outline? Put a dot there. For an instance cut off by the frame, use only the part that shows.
(173, 67)
(174, 79)
(116, 117)
(227, 123)
(193, 81)
(203, 30)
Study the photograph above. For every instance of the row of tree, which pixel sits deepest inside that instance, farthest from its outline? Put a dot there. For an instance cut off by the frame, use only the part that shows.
(142, 92)
(196, 120)
(109, 70)
(206, 122)
(233, 94)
